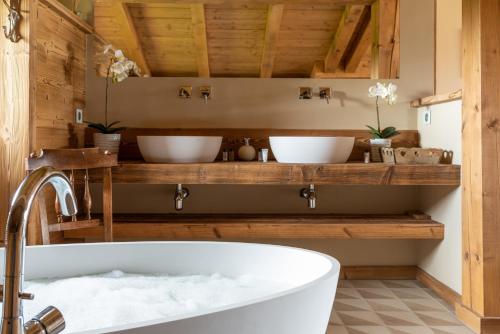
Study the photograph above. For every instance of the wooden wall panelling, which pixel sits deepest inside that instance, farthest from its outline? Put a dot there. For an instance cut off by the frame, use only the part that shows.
(481, 175)
(60, 62)
(16, 86)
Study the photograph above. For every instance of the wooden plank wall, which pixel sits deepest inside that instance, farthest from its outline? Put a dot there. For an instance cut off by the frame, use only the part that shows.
(60, 79)
(15, 71)
(480, 307)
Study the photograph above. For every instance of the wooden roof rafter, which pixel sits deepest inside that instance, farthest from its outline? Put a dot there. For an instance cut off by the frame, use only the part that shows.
(385, 47)
(127, 27)
(361, 44)
(347, 26)
(200, 39)
(274, 16)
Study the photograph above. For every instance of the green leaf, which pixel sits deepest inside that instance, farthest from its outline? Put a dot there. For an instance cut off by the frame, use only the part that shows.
(115, 130)
(99, 127)
(374, 132)
(113, 123)
(389, 132)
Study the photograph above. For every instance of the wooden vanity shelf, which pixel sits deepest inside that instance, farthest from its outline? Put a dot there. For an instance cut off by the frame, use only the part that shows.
(238, 227)
(273, 173)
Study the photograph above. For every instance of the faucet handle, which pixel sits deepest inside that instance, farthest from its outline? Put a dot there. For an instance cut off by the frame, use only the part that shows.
(26, 295)
(49, 321)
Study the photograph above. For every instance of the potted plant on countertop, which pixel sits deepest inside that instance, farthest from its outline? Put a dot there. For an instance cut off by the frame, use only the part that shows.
(107, 137)
(381, 137)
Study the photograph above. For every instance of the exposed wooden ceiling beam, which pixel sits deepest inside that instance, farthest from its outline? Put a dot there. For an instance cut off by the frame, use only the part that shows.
(385, 19)
(200, 39)
(347, 26)
(318, 72)
(274, 16)
(133, 44)
(284, 2)
(359, 49)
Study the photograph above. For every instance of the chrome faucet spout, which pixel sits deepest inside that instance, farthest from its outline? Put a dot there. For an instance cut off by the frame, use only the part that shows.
(15, 242)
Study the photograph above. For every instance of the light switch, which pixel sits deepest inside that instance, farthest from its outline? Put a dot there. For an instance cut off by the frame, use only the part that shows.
(79, 116)
(427, 115)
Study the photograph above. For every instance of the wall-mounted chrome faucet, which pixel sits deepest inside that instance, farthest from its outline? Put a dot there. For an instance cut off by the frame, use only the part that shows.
(206, 93)
(185, 92)
(310, 195)
(305, 93)
(325, 93)
(180, 195)
(50, 320)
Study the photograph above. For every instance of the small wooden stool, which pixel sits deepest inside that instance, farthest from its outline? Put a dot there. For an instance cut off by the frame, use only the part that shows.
(76, 161)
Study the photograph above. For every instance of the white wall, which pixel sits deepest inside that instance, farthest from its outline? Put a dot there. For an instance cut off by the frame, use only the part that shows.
(443, 259)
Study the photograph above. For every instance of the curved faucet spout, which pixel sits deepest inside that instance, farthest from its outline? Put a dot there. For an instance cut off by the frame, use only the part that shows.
(15, 239)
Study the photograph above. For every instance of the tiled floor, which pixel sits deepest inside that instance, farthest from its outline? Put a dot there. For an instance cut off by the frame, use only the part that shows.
(391, 307)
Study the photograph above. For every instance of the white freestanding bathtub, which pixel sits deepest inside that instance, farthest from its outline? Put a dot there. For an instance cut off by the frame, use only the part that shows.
(303, 308)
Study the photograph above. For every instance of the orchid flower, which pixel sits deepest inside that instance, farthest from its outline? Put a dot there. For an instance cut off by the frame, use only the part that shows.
(386, 92)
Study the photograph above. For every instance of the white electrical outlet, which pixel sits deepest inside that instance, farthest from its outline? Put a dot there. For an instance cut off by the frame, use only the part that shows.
(427, 116)
(79, 116)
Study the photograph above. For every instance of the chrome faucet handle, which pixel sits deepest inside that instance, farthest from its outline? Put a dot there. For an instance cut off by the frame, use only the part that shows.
(49, 321)
(26, 295)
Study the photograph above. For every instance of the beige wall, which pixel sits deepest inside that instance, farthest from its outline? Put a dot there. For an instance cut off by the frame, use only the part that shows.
(273, 103)
(443, 259)
(448, 46)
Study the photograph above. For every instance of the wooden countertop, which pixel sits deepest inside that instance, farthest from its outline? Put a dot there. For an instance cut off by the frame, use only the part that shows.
(273, 173)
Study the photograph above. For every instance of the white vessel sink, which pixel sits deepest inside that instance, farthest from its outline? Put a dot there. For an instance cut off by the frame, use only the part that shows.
(321, 150)
(179, 149)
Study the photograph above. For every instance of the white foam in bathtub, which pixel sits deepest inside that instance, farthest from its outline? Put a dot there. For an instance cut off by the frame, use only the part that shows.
(117, 298)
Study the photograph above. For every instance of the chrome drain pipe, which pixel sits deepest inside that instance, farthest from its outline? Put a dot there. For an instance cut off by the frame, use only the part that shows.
(310, 195)
(180, 195)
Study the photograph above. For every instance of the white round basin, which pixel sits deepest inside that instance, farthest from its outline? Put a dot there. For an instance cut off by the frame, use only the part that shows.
(179, 149)
(320, 150)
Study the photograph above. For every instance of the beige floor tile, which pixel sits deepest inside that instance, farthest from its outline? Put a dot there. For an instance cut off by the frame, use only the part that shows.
(391, 307)
(337, 330)
(347, 293)
(451, 330)
(410, 330)
(438, 318)
(412, 293)
(351, 305)
(358, 318)
(393, 318)
(368, 330)
(367, 284)
(387, 305)
(426, 304)
(401, 284)
(377, 293)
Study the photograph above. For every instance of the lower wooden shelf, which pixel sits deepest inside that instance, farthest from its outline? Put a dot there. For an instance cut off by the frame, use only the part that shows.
(238, 227)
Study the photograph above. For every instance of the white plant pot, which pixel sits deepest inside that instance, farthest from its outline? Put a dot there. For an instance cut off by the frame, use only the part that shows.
(107, 141)
(376, 145)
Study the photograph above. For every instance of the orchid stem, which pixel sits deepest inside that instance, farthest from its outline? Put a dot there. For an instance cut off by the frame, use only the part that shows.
(378, 115)
(107, 88)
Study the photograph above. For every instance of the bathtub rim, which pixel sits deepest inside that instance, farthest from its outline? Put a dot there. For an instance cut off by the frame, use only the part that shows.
(331, 272)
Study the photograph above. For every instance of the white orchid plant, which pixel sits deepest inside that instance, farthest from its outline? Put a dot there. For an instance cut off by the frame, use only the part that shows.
(386, 92)
(119, 69)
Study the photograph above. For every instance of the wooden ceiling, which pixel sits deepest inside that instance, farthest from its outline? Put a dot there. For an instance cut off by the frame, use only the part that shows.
(224, 38)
